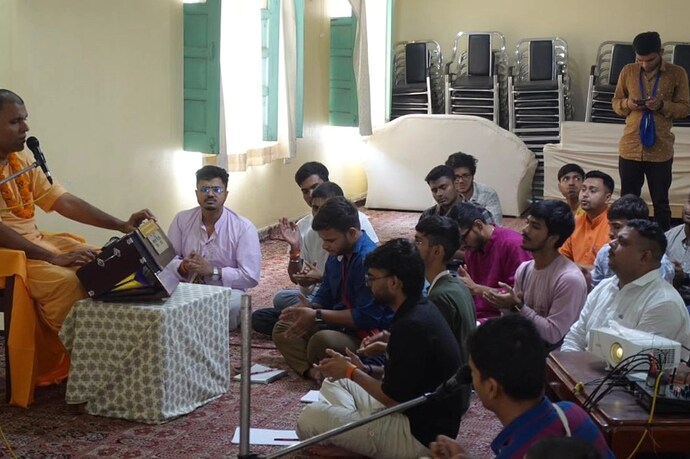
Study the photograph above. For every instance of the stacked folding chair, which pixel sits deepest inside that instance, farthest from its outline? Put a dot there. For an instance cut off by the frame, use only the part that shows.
(418, 82)
(679, 53)
(475, 78)
(539, 97)
(612, 56)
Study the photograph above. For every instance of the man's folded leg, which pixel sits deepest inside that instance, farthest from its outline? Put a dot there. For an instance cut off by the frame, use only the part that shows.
(344, 402)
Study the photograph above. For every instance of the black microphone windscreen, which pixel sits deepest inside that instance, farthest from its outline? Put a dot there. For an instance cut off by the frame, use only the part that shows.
(32, 142)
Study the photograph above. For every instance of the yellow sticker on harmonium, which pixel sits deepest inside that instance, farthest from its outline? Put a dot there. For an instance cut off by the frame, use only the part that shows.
(148, 227)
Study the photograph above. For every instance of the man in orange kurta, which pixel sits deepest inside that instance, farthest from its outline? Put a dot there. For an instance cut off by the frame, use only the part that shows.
(45, 264)
(592, 227)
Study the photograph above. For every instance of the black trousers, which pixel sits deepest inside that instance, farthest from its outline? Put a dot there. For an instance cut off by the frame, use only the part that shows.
(658, 175)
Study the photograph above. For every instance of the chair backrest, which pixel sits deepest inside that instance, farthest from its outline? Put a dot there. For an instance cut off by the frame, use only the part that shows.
(478, 54)
(479, 60)
(622, 54)
(542, 65)
(416, 63)
(681, 56)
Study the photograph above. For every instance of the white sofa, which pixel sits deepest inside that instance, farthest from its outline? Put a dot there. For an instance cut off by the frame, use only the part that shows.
(400, 153)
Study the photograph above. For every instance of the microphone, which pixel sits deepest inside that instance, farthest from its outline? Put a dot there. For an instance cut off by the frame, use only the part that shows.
(32, 143)
(461, 378)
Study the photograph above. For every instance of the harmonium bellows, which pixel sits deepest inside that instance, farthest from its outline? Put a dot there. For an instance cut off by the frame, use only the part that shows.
(132, 268)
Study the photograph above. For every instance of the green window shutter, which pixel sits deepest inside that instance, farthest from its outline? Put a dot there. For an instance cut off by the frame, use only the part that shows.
(343, 89)
(202, 76)
(270, 24)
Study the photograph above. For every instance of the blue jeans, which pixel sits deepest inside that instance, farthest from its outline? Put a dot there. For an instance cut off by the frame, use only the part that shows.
(263, 320)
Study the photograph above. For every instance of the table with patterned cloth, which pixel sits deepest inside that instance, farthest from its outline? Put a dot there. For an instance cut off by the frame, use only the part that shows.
(149, 362)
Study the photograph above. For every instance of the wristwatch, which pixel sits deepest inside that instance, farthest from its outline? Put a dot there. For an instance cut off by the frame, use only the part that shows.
(319, 317)
(217, 274)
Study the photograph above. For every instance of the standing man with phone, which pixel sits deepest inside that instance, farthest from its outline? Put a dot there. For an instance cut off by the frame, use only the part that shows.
(650, 94)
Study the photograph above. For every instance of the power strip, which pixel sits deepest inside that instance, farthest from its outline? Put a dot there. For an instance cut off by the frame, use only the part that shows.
(668, 401)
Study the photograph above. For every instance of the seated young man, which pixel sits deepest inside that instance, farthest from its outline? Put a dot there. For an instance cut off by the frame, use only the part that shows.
(549, 290)
(570, 178)
(637, 296)
(437, 239)
(307, 256)
(440, 181)
(341, 312)
(422, 354)
(464, 168)
(508, 363)
(213, 244)
(628, 207)
(492, 255)
(591, 228)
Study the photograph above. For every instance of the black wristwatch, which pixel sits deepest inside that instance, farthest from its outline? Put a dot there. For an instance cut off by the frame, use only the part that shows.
(319, 317)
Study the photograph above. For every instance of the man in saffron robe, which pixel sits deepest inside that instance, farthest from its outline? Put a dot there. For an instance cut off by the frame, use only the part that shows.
(51, 259)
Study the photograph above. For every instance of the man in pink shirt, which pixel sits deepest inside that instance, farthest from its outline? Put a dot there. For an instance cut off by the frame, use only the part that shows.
(549, 290)
(492, 255)
(213, 244)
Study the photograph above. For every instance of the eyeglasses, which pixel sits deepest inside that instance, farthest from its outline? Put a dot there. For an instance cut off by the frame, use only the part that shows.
(463, 177)
(369, 279)
(210, 189)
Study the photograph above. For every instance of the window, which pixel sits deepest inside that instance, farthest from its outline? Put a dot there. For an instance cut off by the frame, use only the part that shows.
(202, 76)
(343, 109)
(202, 72)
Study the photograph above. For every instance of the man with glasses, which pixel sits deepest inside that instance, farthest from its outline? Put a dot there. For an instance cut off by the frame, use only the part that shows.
(653, 87)
(214, 245)
(464, 168)
(422, 354)
(341, 312)
(492, 255)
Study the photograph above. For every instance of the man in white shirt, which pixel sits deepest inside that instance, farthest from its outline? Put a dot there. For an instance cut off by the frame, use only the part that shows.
(307, 257)
(637, 296)
(464, 168)
(678, 250)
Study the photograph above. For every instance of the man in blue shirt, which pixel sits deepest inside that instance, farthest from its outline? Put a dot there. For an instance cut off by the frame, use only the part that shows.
(342, 311)
(508, 363)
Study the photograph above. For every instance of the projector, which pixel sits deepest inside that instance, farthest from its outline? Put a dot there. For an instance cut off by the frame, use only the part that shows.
(616, 343)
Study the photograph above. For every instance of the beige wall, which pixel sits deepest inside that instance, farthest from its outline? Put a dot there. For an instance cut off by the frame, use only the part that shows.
(102, 80)
(584, 24)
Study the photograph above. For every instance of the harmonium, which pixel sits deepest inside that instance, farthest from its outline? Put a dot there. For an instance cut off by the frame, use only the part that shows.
(132, 268)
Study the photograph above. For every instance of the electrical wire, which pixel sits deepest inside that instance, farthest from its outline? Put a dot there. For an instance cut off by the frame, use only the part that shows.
(634, 359)
(651, 415)
(18, 206)
(7, 444)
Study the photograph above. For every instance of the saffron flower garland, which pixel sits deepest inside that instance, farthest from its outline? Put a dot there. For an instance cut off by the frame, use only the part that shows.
(26, 208)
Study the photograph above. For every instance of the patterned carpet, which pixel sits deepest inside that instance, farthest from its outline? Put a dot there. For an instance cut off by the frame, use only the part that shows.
(52, 429)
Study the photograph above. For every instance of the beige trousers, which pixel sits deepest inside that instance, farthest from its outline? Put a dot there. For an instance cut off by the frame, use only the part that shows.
(344, 401)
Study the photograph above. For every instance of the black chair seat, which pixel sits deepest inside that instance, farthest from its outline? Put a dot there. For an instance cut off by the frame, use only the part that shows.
(536, 86)
(410, 88)
(473, 82)
(605, 88)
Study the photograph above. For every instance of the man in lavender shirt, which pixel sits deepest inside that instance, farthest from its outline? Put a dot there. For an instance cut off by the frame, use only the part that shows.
(549, 290)
(492, 254)
(213, 244)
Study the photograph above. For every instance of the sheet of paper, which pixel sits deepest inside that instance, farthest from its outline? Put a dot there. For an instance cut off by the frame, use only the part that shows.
(310, 397)
(267, 437)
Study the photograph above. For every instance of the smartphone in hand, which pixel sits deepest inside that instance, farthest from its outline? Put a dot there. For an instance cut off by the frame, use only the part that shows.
(641, 102)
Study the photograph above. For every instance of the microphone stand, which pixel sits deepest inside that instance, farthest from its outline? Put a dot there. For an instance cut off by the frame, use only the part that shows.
(17, 174)
(245, 382)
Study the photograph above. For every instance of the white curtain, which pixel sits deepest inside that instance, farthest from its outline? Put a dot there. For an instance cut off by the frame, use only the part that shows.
(371, 56)
(241, 119)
